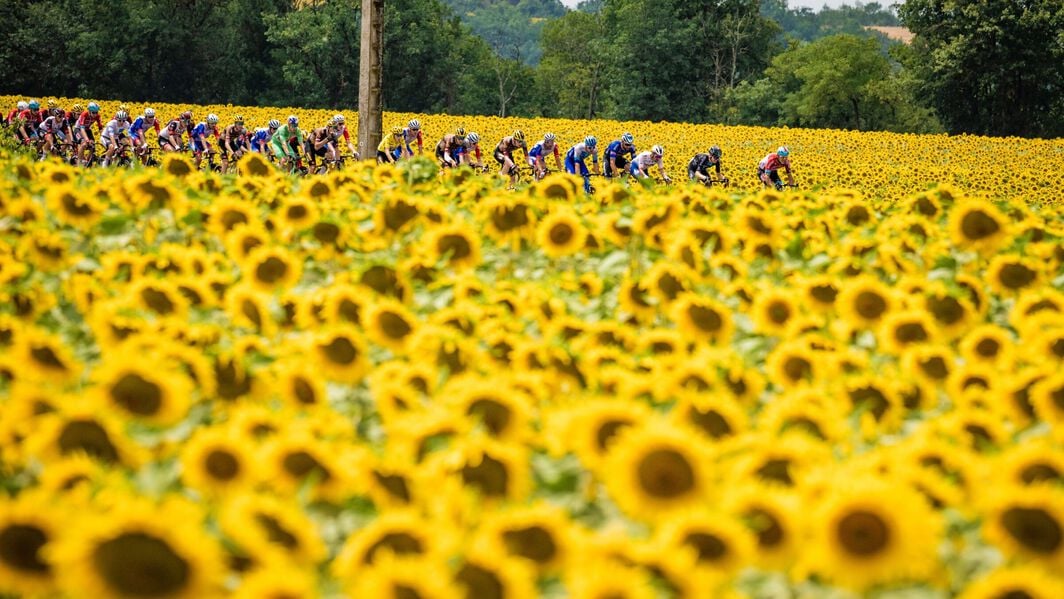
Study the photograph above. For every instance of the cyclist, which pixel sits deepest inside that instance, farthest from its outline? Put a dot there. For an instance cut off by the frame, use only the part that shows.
(55, 128)
(504, 154)
(11, 116)
(645, 160)
(698, 168)
(171, 138)
(30, 119)
(446, 149)
(340, 129)
(138, 132)
(199, 138)
(411, 133)
(47, 111)
(260, 142)
(768, 168)
(83, 129)
(233, 139)
(286, 142)
(470, 145)
(115, 136)
(536, 155)
(614, 157)
(577, 155)
(386, 151)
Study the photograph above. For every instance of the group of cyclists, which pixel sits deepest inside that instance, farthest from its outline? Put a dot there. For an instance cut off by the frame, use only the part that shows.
(53, 130)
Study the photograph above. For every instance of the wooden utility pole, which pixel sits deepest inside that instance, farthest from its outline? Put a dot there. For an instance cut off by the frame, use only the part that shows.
(370, 109)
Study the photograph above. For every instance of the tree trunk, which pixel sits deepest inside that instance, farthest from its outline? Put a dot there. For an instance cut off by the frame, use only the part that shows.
(370, 94)
(856, 113)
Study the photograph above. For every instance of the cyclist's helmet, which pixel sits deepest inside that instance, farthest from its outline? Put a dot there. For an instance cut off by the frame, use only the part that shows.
(339, 119)
(186, 115)
(414, 124)
(783, 152)
(548, 137)
(77, 109)
(715, 151)
(657, 151)
(293, 120)
(519, 135)
(23, 105)
(460, 132)
(94, 107)
(627, 139)
(397, 131)
(274, 124)
(34, 105)
(52, 104)
(590, 141)
(473, 138)
(212, 119)
(149, 112)
(121, 115)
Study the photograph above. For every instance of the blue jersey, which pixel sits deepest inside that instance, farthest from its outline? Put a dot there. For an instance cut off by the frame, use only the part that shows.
(136, 127)
(580, 152)
(260, 139)
(614, 150)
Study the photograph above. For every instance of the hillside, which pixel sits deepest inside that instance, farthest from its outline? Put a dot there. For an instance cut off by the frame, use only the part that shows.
(511, 27)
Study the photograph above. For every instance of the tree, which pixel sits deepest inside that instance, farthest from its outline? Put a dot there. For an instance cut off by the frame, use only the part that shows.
(573, 70)
(994, 67)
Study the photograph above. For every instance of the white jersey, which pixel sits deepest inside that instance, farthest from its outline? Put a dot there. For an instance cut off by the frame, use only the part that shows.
(113, 128)
(646, 160)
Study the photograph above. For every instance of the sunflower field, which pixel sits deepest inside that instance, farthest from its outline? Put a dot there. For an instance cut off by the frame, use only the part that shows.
(398, 382)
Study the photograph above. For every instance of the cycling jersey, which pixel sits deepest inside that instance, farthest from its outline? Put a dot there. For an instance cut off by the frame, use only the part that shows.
(12, 115)
(509, 144)
(281, 138)
(616, 150)
(53, 124)
(30, 117)
(234, 135)
(580, 152)
(260, 139)
(700, 164)
(389, 143)
(772, 163)
(644, 161)
(541, 150)
(112, 130)
(86, 120)
(199, 136)
(410, 136)
(140, 124)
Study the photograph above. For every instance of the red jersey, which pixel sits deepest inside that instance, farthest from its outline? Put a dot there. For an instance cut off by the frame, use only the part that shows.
(31, 117)
(772, 162)
(86, 120)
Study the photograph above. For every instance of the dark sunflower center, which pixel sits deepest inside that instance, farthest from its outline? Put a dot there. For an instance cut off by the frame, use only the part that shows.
(139, 565)
(301, 464)
(711, 421)
(271, 270)
(275, 532)
(457, 246)
(399, 543)
(494, 415)
(561, 234)
(158, 301)
(534, 543)
(607, 431)
(341, 350)
(666, 474)
(710, 547)
(87, 436)
(394, 484)
(863, 534)
(137, 395)
(480, 583)
(1034, 528)
(977, 225)
(222, 465)
(490, 476)
(1016, 276)
(910, 332)
(46, 356)
(706, 319)
(779, 313)
(870, 305)
(303, 391)
(797, 368)
(20, 547)
(394, 326)
(767, 526)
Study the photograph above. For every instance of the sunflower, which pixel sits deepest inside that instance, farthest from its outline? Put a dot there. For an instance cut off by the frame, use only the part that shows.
(82, 430)
(340, 353)
(655, 469)
(508, 219)
(702, 319)
(403, 577)
(771, 515)
(155, 394)
(560, 233)
(871, 531)
(456, 244)
(1009, 274)
(903, 329)
(666, 281)
(978, 225)
(864, 302)
(990, 345)
(278, 581)
(793, 363)
(634, 298)
(387, 281)
(140, 550)
(1015, 582)
(1047, 398)
(217, 460)
(266, 527)
(595, 580)
(398, 534)
(539, 534)
(299, 458)
(243, 238)
(503, 412)
(717, 416)
(487, 575)
(271, 268)
(227, 213)
(390, 324)
(1027, 523)
(73, 208)
(774, 310)
(1035, 462)
(27, 528)
(702, 539)
(45, 357)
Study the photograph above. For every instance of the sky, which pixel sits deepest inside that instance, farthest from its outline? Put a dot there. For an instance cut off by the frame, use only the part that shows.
(817, 4)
